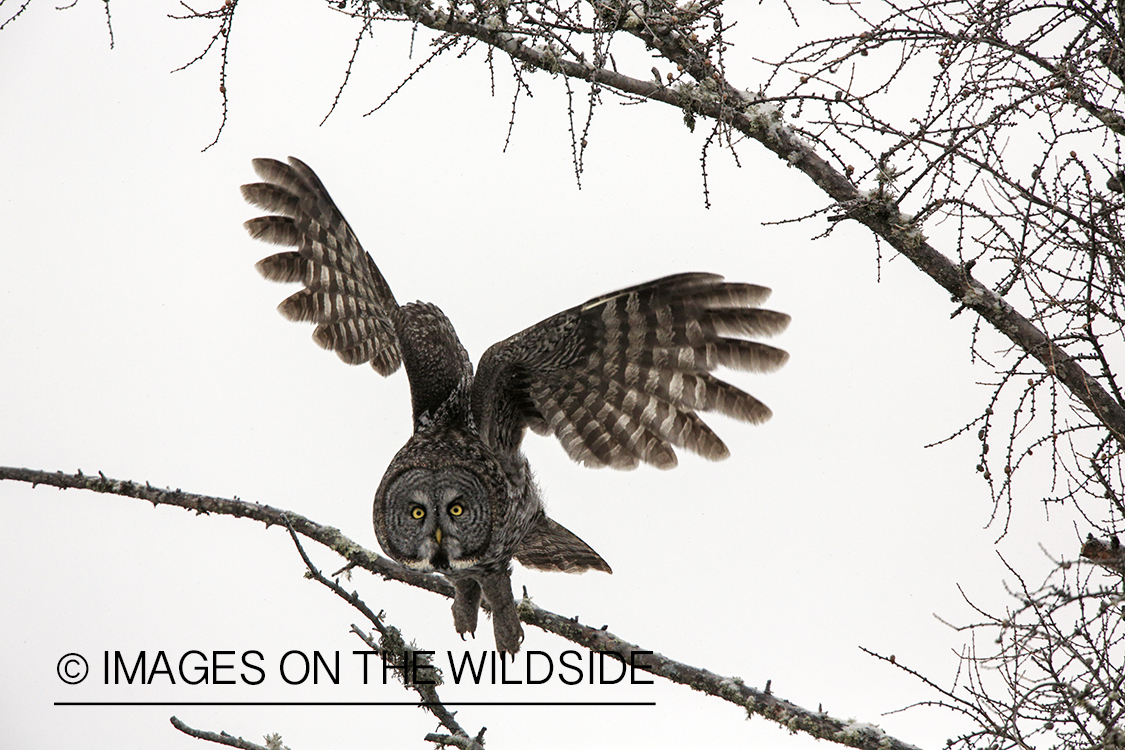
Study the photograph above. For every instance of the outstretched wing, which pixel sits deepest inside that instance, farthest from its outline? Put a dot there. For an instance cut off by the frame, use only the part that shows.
(344, 294)
(619, 379)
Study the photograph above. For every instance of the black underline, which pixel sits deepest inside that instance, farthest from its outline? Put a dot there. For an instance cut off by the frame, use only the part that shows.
(354, 703)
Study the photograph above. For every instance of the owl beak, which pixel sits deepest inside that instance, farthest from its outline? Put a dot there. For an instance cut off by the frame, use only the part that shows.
(437, 536)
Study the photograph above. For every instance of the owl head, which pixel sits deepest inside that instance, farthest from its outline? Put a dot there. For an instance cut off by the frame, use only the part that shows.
(435, 509)
(434, 519)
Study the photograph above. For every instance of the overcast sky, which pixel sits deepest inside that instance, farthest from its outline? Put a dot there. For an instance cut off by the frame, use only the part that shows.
(138, 340)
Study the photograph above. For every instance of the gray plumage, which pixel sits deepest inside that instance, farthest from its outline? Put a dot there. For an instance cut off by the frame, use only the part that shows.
(618, 380)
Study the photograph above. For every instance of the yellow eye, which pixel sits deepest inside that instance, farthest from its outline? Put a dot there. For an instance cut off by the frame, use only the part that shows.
(456, 509)
(418, 512)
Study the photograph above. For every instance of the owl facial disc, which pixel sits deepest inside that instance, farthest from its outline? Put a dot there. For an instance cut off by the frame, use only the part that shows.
(435, 519)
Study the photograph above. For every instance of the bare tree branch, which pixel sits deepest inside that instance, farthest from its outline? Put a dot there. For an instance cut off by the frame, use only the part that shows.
(731, 689)
(1107, 553)
(392, 643)
(221, 738)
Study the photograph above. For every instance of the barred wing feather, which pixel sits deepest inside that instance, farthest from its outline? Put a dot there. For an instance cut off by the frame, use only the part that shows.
(344, 293)
(620, 379)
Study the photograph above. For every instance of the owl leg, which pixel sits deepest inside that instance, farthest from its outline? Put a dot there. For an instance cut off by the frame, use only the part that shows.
(506, 627)
(466, 603)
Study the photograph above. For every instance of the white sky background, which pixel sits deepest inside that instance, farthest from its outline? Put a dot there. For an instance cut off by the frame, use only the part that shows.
(138, 340)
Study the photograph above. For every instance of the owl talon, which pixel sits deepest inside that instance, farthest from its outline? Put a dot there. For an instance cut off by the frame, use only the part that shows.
(508, 631)
(466, 604)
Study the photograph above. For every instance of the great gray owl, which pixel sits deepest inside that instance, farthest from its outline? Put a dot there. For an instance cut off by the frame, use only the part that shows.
(617, 380)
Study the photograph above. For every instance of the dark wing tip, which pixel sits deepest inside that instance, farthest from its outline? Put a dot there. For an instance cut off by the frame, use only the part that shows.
(277, 230)
(270, 170)
(283, 267)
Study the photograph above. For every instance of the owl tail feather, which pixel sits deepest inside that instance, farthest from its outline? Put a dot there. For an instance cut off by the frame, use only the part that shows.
(551, 546)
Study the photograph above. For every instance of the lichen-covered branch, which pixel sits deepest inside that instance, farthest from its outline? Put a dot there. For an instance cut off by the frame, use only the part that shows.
(731, 689)
(392, 644)
(219, 738)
